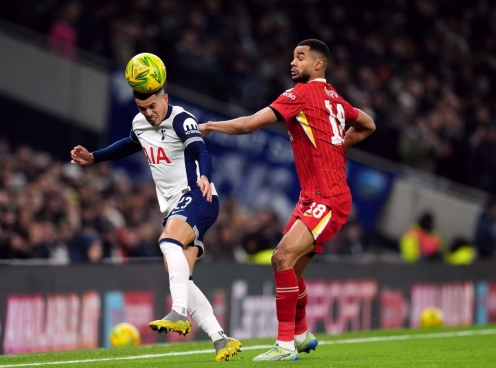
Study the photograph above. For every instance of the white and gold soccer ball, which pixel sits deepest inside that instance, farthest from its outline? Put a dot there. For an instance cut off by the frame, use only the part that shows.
(431, 317)
(124, 334)
(145, 73)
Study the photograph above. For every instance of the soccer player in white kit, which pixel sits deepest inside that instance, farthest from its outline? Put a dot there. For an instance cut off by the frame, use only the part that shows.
(181, 168)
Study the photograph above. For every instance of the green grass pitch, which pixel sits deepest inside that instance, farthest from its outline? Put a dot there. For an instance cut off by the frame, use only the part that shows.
(444, 347)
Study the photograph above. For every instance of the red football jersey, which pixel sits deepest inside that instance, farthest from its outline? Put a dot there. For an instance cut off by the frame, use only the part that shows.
(315, 117)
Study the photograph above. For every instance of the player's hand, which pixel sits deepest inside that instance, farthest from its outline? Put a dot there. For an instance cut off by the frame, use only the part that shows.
(204, 129)
(205, 187)
(81, 156)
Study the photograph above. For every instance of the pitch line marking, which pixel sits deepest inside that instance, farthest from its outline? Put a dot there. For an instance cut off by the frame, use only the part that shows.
(255, 347)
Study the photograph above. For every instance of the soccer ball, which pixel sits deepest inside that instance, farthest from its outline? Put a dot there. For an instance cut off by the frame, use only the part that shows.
(124, 334)
(431, 317)
(145, 73)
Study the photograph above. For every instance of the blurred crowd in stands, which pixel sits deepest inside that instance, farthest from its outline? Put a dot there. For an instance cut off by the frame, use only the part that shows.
(65, 213)
(423, 69)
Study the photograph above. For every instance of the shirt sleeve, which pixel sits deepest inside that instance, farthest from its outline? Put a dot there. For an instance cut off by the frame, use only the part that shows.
(350, 113)
(134, 137)
(120, 149)
(290, 103)
(186, 128)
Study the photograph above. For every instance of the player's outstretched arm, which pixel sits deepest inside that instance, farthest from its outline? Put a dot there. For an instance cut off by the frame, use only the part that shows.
(81, 156)
(360, 129)
(120, 149)
(242, 125)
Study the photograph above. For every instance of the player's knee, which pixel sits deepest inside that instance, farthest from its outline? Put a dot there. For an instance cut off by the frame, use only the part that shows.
(280, 259)
(275, 261)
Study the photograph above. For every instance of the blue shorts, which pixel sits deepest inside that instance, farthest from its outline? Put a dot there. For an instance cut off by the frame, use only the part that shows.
(200, 214)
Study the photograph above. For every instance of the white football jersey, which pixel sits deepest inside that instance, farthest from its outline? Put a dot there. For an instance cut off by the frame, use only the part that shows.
(173, 167)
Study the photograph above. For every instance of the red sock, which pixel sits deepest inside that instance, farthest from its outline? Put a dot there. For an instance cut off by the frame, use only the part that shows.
(301, 314)
(286, 299)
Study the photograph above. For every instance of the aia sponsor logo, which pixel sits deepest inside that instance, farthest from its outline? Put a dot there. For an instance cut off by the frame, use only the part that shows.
(155, 155)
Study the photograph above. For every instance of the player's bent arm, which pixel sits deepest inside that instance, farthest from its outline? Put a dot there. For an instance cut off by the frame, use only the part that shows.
(197, 146)
(205, 187)
(242, 125)
(120, 149)
(360, 129)
(202, 157)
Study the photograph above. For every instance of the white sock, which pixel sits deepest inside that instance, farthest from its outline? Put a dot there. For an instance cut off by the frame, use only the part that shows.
(202, 312)
(299, 339)
(178, 274)
(290, 345)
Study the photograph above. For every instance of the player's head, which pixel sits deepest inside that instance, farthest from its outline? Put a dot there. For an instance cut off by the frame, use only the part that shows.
(310, 61)
(153, 106)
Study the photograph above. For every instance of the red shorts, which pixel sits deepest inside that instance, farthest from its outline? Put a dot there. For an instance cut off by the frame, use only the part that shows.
(324, 217)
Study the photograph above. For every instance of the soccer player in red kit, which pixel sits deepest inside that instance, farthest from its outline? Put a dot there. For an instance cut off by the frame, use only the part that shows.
(315, 116)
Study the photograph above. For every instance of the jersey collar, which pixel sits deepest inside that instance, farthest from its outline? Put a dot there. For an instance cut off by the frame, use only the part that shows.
(322, 80)
(169, 112)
